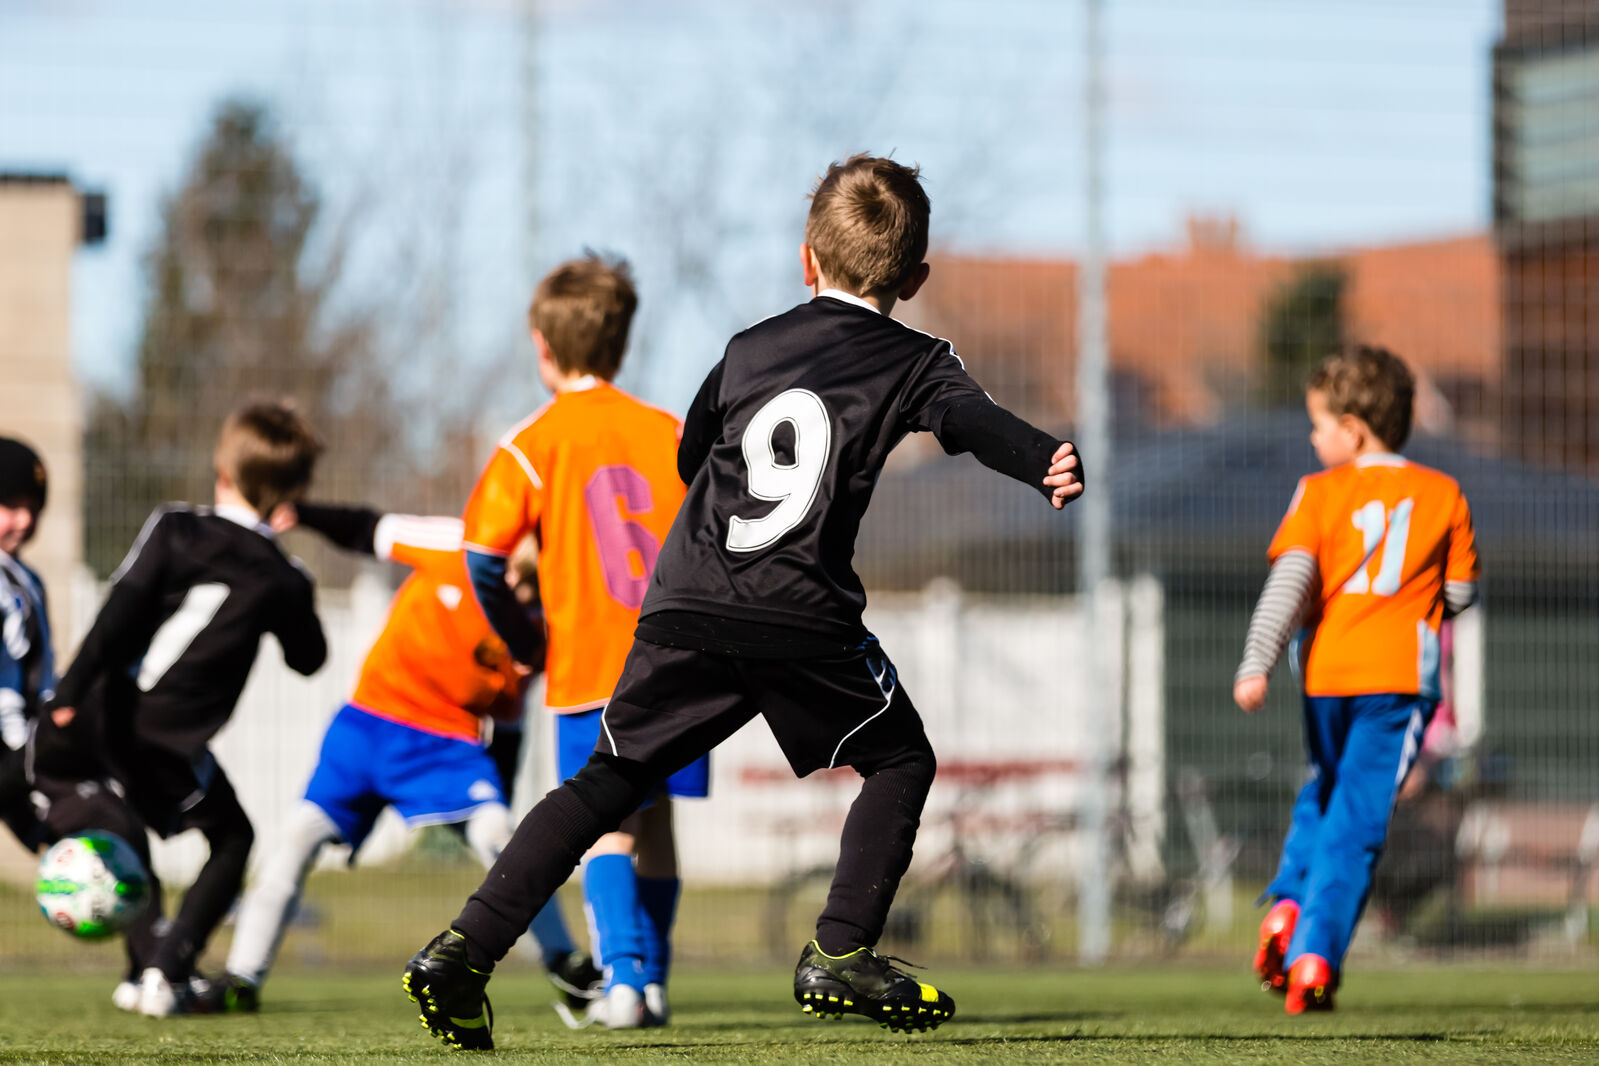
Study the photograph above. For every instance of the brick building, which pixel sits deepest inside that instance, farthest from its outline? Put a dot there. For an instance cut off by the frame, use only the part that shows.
(1546, 216)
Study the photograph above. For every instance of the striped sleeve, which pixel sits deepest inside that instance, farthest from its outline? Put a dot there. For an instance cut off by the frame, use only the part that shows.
(1458, 595)
(14, 648)
(1277, 615)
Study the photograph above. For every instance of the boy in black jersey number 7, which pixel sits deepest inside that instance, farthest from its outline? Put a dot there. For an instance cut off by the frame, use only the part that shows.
(754, 607)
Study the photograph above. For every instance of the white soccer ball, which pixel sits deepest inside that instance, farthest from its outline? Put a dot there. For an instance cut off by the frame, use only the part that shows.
(92, 885)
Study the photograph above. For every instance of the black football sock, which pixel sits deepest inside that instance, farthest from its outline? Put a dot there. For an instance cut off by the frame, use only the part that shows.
(544, 851)
(229, 834)
(141, 936)
(505, 748)
(874, 852)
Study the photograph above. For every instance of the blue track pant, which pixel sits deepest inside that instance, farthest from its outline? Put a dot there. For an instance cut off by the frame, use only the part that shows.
(1361, 748)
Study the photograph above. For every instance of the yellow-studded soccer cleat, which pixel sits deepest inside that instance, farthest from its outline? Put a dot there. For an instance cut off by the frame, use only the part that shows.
(454, 1006)
(866, 983)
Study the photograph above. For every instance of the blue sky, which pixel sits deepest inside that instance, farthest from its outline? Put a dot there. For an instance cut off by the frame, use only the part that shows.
(686, 134)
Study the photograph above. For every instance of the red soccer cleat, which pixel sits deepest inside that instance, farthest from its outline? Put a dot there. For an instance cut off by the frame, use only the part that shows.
(1311, 982)
(1272, 955)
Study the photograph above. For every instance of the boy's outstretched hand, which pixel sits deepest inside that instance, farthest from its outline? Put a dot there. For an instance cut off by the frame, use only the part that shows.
(284, 517)
(1250, 694)
(1063, 476)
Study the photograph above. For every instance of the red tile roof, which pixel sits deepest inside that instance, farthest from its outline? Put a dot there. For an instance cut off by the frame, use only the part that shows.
(1183, 326)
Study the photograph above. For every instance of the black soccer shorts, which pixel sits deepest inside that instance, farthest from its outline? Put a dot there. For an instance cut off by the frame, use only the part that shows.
(673, 705)
(69, 807)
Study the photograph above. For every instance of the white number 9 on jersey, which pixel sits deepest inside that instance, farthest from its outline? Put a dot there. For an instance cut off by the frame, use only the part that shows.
(793, 485)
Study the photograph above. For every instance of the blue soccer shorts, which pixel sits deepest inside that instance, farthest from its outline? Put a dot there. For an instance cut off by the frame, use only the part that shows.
(368, 763)
(577, 735)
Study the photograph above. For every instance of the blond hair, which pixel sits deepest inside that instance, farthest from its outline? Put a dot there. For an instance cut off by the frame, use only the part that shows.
(868, 224)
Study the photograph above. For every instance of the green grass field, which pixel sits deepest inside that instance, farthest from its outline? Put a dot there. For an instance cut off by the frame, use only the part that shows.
(1182, 1015)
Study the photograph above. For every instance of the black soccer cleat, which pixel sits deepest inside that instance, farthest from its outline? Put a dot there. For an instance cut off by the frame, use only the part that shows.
(579, 980)
(455, 1007)
(241, 996)
(866, 983)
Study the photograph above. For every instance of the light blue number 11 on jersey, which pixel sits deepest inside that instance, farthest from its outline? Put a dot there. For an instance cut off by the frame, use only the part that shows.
(1391, 529)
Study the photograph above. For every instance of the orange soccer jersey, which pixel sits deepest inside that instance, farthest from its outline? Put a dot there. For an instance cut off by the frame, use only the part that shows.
(437, 665)
(593, 474)
(1386, 535)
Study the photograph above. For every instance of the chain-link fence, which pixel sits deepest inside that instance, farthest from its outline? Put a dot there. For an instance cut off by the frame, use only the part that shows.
(348, 204)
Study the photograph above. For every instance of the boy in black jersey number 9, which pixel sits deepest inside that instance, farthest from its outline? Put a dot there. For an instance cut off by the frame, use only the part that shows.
(754, 608)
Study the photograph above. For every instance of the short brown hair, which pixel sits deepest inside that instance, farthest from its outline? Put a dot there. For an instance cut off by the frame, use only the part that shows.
(584, 308)
(268, 450)
(868, 224)
(1374, 385)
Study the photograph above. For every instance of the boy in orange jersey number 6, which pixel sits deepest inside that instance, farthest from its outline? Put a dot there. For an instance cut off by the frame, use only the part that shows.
(593, 475)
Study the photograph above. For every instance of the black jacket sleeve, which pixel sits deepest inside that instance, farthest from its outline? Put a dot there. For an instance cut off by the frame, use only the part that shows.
(128, 619)
(351, 528)
(297, 627)
(945, 401)
(1000, 441)
(702, 426)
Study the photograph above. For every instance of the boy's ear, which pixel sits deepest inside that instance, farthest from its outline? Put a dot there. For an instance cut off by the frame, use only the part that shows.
(918, 279)
(809, 267)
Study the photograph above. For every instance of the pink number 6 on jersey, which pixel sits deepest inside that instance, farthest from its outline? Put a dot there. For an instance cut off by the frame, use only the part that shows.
(615, 496)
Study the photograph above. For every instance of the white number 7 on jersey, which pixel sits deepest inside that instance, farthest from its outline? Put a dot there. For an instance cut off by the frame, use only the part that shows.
(794, 484)
(1378, 525)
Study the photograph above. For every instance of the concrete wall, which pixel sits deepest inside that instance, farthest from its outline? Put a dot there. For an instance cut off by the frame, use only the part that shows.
(39, 398)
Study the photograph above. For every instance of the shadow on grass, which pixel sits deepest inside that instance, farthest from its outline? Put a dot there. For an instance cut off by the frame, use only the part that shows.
(932, 1042)
(1053, 1017)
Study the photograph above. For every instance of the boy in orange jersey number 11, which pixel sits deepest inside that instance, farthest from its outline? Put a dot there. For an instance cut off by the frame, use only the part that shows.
(593, 475)
(1374, 553)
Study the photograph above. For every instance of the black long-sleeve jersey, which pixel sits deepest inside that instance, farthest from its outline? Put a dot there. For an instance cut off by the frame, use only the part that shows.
(183, 623)
(781, 450)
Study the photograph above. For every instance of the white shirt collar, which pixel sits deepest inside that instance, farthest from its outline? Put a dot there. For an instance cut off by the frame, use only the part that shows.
(1381, 459)
(583, 384)
(849, 298)
(242, 516)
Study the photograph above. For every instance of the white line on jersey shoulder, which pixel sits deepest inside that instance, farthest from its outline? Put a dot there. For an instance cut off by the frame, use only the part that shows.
(508, 442)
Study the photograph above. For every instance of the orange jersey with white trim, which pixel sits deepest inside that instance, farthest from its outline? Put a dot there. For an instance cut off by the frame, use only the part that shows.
(593, 474)
(437, 665)
(1386, 534)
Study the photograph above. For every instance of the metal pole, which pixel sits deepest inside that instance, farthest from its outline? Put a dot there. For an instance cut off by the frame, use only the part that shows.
(1094, 557)
(536, 725)
(531, 140)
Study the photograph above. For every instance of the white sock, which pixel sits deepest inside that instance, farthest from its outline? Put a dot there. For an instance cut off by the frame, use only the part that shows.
(275, 895)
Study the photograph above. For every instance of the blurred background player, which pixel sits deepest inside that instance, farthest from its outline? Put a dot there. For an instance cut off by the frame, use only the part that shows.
(163, 666)
(27, 663)
(410, 737)
(593, 476)
(755, 608)
(45, 809)
(1373, 555)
